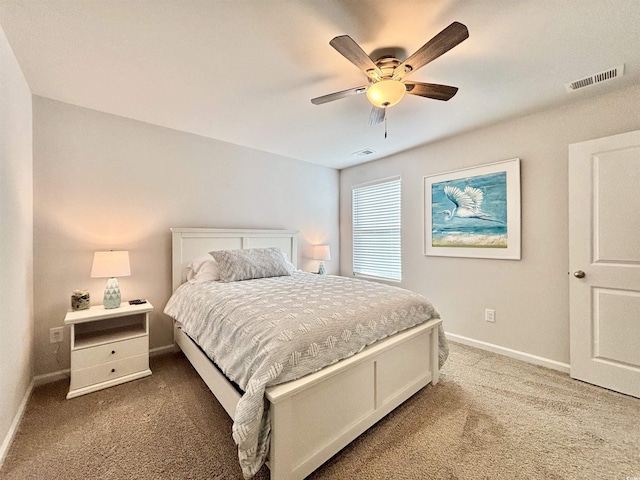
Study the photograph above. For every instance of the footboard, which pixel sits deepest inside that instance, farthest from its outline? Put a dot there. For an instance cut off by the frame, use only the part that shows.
(315, 417)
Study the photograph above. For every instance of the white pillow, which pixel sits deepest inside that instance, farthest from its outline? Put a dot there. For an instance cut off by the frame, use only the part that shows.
(289, 265)
(203, 269)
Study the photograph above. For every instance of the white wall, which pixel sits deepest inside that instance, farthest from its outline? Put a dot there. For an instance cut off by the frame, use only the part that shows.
(530, 296)
(103, 181)
(16, 241)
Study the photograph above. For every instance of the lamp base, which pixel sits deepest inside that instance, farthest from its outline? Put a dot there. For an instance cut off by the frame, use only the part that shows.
(112, 297)
(321, 269)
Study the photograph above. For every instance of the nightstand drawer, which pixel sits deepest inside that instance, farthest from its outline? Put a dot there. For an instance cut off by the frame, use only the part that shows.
(108, 371)
(109, 352)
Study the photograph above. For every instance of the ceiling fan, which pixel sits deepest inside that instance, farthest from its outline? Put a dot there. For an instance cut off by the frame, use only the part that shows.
(386, 75)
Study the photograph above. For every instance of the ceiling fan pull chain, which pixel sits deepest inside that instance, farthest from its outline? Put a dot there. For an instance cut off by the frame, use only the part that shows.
(385, 126)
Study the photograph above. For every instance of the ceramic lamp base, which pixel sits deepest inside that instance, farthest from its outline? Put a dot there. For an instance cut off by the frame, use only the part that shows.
(112, 297)
(321, 269)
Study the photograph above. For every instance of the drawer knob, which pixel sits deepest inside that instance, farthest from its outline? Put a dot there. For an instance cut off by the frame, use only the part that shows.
(113, 352)
(113, 370)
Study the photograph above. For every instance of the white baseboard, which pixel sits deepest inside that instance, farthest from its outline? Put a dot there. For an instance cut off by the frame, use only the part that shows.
(162, 350)
(8, 439)
(51, 377)
(508, 352)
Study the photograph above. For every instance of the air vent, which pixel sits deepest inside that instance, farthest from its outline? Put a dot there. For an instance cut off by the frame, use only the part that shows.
(364, 153)
(596, 78)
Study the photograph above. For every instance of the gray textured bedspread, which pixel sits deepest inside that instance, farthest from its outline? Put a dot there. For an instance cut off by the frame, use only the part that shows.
(268, 331)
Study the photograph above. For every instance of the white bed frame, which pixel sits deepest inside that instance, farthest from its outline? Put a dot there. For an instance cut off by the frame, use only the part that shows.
(314, 417)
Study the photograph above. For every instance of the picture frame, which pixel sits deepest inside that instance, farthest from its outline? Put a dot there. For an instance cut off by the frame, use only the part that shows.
(474, 212)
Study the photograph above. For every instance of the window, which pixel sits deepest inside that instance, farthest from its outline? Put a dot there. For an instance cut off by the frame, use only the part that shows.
(376, 229)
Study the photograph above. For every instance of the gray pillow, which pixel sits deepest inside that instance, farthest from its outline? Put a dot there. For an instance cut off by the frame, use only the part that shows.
(251, 263)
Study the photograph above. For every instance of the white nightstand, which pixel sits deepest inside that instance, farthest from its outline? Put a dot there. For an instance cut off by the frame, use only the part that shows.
(108, 346)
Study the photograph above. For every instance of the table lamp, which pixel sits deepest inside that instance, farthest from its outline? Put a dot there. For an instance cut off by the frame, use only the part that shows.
(322, 253)
(110, 265)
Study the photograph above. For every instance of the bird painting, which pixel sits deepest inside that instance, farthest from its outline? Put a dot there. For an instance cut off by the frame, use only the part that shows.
(473, 212)
(470, 212)
(468, 204)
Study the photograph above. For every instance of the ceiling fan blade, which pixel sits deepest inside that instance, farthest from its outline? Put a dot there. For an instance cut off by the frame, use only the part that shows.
(377, 115)
(431, 90)
(338, 95)
(441, 43)
(354, 53)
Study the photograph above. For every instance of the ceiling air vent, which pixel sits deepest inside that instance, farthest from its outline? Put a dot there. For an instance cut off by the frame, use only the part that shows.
(596, 78)
(363, 153)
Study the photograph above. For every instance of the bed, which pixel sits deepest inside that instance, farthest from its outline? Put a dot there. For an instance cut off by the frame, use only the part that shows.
(313, 417)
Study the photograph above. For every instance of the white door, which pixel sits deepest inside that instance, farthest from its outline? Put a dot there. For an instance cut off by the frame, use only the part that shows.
(604, 261)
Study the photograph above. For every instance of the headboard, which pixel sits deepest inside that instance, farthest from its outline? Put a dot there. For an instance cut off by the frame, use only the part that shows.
(191, 243)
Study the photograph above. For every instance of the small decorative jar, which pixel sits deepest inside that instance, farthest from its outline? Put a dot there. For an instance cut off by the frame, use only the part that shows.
(80, 300)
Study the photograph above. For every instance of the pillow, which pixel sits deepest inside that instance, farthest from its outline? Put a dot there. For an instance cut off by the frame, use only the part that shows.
(251, 263)
(290, 266)
(203, 269)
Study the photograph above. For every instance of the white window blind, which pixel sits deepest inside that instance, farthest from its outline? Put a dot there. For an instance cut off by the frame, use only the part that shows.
(376, 229)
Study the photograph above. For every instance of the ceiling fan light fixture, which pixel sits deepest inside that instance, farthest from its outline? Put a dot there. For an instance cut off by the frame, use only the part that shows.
(386, 93)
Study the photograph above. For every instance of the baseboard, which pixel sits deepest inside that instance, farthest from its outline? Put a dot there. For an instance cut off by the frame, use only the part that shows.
(51, 377)
(162, 350)
(508, 352)
(8, 439)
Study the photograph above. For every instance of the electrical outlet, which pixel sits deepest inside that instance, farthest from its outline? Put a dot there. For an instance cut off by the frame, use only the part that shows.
(56, 335)
(489, 315)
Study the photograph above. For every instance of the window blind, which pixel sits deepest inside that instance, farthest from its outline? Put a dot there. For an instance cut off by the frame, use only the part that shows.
(377, 228)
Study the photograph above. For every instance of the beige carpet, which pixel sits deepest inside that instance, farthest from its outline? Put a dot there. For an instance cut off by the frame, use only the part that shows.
(490, 418)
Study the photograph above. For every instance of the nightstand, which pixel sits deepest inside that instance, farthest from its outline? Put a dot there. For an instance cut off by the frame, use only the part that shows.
(108, 346)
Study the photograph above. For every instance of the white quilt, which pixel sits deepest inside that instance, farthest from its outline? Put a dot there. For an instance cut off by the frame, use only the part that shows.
(269, 331)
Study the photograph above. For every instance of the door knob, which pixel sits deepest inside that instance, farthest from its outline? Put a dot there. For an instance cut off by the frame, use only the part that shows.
(579, 274)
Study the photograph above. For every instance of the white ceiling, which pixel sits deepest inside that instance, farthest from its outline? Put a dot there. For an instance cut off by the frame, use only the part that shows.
(244, 71)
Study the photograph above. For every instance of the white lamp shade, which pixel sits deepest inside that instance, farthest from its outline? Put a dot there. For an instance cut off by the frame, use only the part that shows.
(321, 252)
(386, 93)
(110, 264)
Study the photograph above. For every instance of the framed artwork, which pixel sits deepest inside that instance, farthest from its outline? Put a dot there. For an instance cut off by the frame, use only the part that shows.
(474, 212)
